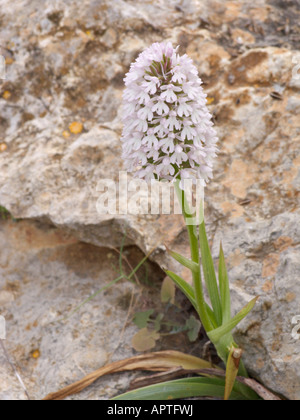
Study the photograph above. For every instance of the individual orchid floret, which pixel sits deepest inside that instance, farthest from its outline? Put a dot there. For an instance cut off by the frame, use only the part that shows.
(168, 132)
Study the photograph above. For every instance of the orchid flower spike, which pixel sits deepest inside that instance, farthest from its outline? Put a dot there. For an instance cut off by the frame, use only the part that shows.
(168, 133)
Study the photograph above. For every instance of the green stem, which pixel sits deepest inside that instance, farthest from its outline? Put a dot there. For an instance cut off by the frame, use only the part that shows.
(195, 255)
(223, 345)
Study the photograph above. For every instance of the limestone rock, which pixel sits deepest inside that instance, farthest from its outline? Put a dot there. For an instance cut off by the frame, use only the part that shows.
(263, 260)
(45, 274)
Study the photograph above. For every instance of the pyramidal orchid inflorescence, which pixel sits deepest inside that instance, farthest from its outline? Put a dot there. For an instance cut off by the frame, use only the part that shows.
(168, 133)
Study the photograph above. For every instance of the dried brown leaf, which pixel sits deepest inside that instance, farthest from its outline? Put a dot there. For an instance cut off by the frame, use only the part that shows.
(144, 340)
(155, 362)
(263, 392)
(168, 291)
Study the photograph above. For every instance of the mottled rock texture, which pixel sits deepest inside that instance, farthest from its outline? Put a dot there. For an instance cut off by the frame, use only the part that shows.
(65, 63)
(45, 274)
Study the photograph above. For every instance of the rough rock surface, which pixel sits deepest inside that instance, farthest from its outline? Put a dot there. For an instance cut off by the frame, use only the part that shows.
(67, 66)
(45, 274)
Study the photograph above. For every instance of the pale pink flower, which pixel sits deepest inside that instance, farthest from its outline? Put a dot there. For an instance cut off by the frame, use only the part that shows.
(150, 140)
(173, 121)
(168, 132)
(160, 107)
(145, 113)
(184, 109)
(167, 145)
(169, 93)
(178, 156)
(150, 85)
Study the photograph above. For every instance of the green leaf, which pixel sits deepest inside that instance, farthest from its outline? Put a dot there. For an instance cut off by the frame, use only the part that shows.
(190, 294)
(144, 340)
(141, 319)
(224, 288)
(184, 287)
(157, 322)
(194, 267)
(218, 333)
(211, 316)
(175, 329)
(210, 275)
(193, 326)
(4, 214)
(179, 389)
(168, 291)
(194, 245)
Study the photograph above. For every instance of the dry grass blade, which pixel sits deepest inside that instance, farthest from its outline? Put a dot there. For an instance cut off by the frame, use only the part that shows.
(14, 369)
(155, 362)
(170, 375)
(157, 378)
(263, 392)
